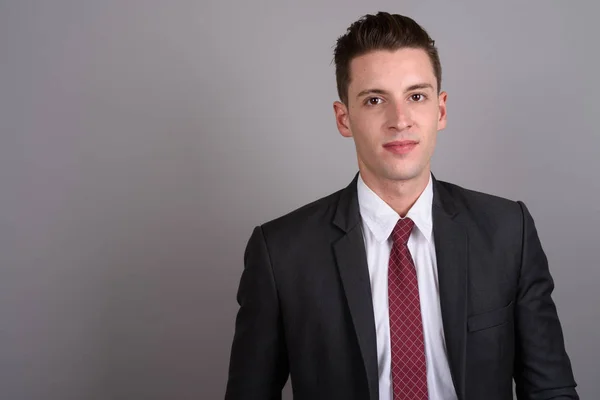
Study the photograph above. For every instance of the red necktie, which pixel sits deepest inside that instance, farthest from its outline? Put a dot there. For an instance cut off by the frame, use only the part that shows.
(409, 371)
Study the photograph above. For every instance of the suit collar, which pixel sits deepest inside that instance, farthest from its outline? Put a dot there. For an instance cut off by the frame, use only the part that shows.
(443, 200)
(347, 214)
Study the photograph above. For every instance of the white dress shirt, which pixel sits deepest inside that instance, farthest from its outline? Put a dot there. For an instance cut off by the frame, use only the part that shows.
(378, 221)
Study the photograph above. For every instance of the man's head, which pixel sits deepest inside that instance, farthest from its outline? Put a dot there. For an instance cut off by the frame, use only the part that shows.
(388, 76)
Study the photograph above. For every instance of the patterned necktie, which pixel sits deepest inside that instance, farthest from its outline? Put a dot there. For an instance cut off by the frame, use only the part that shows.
(409, 371)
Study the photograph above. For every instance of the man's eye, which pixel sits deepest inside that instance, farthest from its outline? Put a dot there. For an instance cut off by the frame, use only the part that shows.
(417, 97)
(373, 101)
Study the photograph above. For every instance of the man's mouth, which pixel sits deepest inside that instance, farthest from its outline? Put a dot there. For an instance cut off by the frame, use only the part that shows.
(401, 147)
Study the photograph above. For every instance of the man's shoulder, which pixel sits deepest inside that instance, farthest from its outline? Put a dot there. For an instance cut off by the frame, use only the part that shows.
(469, 196)
(308, 216)
(480, 205)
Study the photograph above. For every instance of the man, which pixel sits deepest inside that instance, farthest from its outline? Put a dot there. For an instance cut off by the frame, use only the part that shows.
(399, 286)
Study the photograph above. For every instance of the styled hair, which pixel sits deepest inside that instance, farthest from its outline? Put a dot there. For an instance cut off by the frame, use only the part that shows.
(383, 31)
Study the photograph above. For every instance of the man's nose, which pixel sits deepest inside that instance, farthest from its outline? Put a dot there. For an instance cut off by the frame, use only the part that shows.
(399, 117)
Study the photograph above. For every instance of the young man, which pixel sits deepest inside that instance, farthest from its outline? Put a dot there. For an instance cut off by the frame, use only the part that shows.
(398, 286)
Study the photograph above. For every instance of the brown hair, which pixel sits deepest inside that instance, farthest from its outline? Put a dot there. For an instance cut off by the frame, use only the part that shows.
(382, 31)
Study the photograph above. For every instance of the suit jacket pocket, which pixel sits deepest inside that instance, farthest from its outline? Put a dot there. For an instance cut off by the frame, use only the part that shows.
(490, 319)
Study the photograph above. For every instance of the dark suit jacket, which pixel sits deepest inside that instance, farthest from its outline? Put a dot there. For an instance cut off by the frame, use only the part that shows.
(306, 308)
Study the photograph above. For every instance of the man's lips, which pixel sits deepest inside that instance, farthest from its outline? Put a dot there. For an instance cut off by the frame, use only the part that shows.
(401, 146)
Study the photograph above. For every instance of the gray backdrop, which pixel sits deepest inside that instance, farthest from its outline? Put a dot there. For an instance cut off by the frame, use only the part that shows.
(141, 141)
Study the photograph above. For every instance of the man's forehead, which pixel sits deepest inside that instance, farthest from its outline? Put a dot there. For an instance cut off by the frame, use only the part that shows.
(404, 67)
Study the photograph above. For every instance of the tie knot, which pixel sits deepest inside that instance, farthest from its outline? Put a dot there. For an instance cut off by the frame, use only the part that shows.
(402, 231)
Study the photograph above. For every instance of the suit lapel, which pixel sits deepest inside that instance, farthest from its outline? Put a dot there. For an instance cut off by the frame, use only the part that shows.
(351, 259)
(452, 260)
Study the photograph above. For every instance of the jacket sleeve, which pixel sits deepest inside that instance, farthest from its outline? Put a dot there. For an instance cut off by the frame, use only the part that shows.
(258, 366)
(542, 367)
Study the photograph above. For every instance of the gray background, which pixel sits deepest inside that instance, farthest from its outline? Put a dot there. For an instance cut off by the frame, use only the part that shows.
(141, 141)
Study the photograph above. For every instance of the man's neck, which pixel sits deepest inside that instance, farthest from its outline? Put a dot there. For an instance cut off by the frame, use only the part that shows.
(399, 195)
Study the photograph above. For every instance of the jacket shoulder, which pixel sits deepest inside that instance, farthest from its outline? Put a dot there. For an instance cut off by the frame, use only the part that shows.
(473, 197)
(484, 207)
(308, 216)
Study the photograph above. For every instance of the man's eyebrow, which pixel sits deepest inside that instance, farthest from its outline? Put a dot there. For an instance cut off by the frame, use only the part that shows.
(371, 91)
(419, 86)
(408, 89)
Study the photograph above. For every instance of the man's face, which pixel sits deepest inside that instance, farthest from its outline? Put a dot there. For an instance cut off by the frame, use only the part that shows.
(393, 114)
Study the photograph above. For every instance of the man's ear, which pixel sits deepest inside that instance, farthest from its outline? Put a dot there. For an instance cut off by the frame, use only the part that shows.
(442, 114)
(341, 118)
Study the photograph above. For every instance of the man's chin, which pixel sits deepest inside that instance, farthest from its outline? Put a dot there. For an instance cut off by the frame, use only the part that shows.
(395, 173)
(402, 176)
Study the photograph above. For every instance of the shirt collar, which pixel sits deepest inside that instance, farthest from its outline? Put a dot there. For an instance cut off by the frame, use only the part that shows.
(380, 218)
